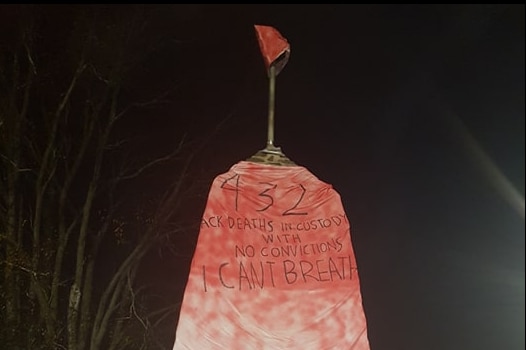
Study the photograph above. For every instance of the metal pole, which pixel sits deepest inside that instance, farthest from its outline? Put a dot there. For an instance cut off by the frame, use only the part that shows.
(271, 103)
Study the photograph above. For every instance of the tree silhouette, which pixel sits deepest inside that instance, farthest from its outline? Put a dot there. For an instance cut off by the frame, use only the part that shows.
(72, 234)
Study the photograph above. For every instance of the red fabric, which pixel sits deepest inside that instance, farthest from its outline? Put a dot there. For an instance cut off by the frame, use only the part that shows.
(272, 46)
(274, 266)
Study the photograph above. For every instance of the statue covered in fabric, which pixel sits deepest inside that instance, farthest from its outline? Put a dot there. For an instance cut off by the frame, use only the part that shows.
(274, 266)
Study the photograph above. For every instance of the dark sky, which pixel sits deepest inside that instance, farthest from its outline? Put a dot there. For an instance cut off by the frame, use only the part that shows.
(414, 113)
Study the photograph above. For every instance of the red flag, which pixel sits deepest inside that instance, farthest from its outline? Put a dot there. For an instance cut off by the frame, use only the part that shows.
(274, 266)
(274, 48)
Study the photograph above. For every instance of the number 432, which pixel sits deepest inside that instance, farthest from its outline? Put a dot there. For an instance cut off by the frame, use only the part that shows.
(232, 184)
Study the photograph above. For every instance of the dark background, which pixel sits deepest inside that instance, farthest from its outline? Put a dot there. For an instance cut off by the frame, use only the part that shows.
(414, 113)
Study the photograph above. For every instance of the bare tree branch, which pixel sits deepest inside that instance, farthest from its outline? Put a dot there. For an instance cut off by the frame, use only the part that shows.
(153, 162)
(17, 169)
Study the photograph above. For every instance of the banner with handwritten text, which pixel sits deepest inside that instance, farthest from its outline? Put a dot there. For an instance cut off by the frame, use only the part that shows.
(274, 266)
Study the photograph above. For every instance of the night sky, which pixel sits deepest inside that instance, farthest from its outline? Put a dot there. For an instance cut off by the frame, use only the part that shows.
(414, 113)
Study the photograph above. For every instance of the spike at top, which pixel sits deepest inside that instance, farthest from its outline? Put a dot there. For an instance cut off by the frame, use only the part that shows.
(274, 48)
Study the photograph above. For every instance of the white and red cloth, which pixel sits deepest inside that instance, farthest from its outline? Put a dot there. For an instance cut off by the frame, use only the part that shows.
(274, 266)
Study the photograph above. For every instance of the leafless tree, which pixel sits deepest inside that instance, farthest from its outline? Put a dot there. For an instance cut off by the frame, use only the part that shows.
(63, 166)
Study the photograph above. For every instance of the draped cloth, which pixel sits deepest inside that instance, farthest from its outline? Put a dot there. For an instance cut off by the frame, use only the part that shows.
(274, 266)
